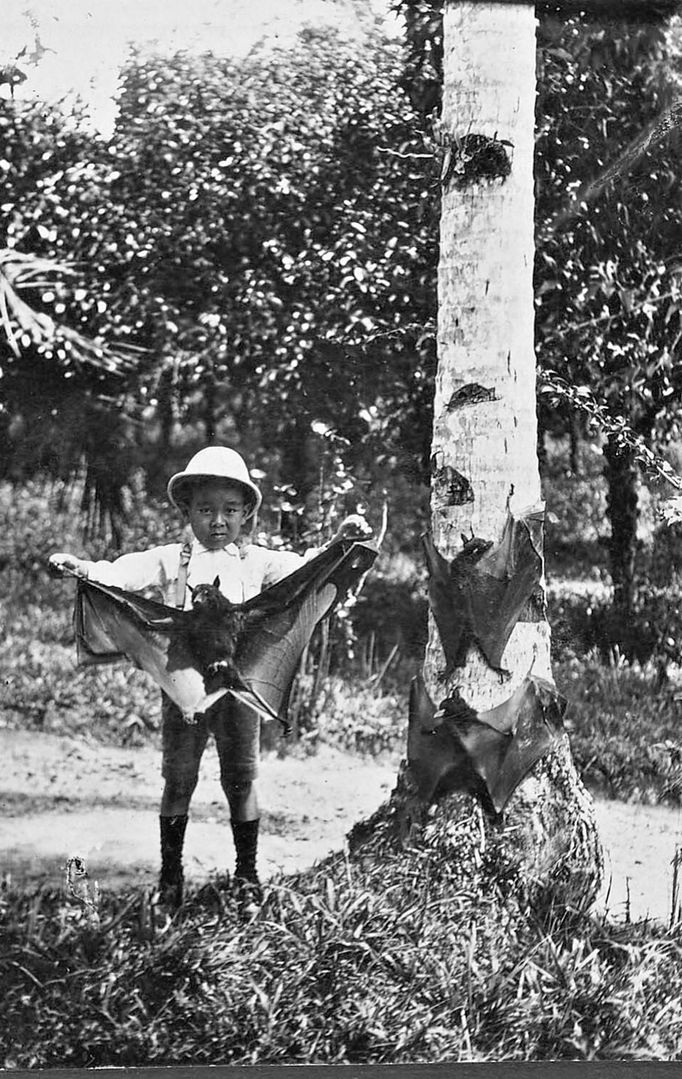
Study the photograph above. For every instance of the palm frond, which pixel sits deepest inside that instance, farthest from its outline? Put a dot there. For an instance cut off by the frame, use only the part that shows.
(25, 327)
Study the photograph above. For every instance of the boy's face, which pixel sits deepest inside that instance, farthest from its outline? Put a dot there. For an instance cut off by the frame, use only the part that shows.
(216, 512)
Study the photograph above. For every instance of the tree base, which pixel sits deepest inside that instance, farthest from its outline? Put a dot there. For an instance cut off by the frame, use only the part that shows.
(544, 853)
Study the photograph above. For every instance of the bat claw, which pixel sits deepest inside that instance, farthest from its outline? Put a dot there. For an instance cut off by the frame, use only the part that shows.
(218, 667)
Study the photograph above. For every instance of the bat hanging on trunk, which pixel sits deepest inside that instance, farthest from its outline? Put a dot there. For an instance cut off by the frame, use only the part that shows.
(250, 650)
(480, 595)
(486, 754)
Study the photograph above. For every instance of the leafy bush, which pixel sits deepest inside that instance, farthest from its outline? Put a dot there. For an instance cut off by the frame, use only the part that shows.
(625, 727)
(585, 620)
(264, 232)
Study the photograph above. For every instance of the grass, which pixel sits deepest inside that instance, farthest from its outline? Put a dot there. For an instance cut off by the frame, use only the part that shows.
(362, 961)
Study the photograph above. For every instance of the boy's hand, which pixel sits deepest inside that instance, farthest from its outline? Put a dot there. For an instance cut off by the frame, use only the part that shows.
(60, 563)
(354, 527)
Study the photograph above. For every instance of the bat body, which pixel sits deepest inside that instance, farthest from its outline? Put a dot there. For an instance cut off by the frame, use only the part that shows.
(261, 648)
(479, 596)
(486, 754)
(213, 632)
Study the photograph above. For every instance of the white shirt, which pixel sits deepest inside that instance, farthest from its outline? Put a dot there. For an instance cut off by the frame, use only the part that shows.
(244, 571)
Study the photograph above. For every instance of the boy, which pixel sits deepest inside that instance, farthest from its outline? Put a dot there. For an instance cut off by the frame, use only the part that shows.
(217, 497)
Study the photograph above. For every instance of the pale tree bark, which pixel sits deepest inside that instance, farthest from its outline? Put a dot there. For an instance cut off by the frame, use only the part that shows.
(545, 848)
(485, 319)
(485, 339)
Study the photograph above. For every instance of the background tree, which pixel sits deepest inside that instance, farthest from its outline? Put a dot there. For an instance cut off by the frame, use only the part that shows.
(261, 229)
(608, 291)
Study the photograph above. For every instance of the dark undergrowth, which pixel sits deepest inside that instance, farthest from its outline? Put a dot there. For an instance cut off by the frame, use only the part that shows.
(624, 727)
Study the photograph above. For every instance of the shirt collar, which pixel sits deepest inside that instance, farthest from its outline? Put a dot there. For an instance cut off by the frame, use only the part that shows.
(229, 548)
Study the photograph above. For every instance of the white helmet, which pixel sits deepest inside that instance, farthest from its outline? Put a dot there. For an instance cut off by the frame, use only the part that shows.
(216, 462)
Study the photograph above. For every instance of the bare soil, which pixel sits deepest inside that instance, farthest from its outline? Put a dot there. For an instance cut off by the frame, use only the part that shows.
(62, 797)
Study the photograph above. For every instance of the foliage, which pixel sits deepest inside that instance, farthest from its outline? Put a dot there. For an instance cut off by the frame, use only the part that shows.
(261, 229)
(608, 299)
(54, 329)
(423, 78)
(625, 727)
(607, 277)
(389, 960)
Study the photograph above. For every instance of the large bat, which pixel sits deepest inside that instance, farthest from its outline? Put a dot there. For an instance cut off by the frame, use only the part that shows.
(480, 595)
(486, 754)
(271, 631)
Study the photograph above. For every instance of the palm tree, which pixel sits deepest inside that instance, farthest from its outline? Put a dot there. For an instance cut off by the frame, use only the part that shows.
(61, 392)
(484, 454)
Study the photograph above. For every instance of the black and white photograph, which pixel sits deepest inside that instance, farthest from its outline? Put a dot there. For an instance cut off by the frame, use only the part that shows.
(340, 534)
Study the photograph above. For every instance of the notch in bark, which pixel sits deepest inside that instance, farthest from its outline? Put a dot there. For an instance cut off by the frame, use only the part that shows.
(456, 489)
(471, 394)
(473, 159)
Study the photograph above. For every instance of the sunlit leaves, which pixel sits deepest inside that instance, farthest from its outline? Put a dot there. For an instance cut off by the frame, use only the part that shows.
(609, 301)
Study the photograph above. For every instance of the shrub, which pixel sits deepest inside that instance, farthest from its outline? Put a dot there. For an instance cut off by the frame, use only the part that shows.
(624, 727)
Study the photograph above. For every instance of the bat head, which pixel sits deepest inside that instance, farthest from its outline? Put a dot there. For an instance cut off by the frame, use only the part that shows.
(472, 552)
(208, 597)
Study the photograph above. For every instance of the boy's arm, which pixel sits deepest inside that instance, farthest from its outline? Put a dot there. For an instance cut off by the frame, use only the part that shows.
(132, 572)
(281, 563)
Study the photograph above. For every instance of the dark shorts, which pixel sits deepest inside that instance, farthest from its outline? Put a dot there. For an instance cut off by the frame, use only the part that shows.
(236, 730)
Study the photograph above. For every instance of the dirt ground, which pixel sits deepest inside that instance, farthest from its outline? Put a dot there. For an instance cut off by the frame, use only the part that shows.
(60, 797)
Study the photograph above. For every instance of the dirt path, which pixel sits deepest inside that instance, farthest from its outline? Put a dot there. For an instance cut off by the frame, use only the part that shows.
(61, 797)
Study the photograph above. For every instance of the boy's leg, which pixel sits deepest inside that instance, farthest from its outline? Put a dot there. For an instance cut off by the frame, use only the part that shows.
(237, 734)
(183, 746)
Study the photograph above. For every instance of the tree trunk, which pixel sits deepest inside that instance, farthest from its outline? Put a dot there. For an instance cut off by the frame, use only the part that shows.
(484, 457)
(622, 477)
(574, 434)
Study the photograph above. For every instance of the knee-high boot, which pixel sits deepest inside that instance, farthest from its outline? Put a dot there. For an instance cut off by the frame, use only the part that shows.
(172, 840)
(245, 834)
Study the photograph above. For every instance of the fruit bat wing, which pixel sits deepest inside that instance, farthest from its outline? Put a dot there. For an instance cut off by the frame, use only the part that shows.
(503, 581)
(426, 757)
(342, 564)
(450, 606)
(486, 749)
(111, 624)
(281, 619)
(453, 753)
(480, 600)
(533, 716)
(270, 650)
(497, 748)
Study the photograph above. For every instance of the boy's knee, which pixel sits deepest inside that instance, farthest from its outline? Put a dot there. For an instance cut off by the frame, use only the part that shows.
(180, 787)
(237, 788)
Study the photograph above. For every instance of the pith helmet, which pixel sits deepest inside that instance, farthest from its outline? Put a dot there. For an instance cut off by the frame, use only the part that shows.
(215, 463)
